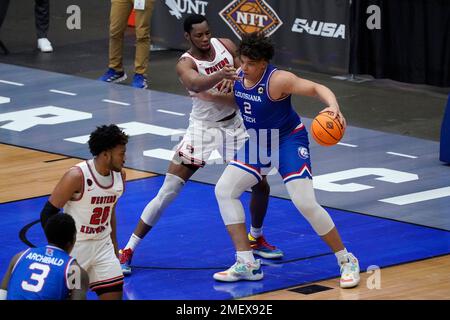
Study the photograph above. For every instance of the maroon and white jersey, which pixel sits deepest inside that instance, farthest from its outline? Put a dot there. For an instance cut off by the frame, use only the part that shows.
(91, 208)
(206, 110)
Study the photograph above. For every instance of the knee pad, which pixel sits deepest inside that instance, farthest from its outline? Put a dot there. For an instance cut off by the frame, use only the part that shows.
(166, 194)
(228, 190)
(302, 195)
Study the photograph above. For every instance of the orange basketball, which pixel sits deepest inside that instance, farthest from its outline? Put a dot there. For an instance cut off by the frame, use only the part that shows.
(326, 130)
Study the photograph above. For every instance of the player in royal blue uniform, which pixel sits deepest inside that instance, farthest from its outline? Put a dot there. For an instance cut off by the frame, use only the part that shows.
(278, 139)
(48, 272)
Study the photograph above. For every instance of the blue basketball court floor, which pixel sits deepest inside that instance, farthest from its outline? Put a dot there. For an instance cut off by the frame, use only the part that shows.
(388, 194)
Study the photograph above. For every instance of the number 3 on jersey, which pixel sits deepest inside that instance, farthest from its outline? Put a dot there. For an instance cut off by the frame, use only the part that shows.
(247, 108)
(100, 215)
(38, 277)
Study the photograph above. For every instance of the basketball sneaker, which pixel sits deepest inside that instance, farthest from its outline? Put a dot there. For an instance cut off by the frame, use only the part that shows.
(125, 257)
(139, 81)
(44, 45)
(113, 76)
(241, 271)
(263, 249)
(350, 272)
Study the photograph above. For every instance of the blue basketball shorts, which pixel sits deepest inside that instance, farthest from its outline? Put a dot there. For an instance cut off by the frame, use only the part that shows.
(289, 155)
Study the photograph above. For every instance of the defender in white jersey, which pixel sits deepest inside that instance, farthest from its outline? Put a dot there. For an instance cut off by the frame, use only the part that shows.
(89, 192)
(209, 64)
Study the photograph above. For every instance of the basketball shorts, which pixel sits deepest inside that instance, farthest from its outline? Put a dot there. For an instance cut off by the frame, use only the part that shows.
(211, 142)
(289, 155)
(97, 257)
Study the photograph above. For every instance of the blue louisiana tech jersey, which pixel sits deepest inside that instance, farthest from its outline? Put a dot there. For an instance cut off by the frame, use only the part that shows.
(260, 111)
(40, 274)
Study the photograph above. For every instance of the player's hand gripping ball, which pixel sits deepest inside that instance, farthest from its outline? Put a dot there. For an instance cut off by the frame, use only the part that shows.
(325, 130)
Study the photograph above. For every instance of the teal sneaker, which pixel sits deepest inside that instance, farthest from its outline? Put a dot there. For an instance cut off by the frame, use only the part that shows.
(241, 271)
(350, 272)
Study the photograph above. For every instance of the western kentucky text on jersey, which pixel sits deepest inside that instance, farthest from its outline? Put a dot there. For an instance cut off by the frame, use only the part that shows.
(103, 200)
(218, 66)
(90, 230)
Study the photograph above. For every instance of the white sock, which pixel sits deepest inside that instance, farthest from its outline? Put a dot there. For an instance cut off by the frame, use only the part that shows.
(256, 232)
(133, 242)
(245, 256)
(341, 256)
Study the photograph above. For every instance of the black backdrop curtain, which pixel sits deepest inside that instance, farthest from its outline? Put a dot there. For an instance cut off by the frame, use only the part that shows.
(3, 9)
(413, 44)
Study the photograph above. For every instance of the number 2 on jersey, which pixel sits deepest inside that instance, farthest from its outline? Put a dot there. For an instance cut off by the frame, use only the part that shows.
(247, 108)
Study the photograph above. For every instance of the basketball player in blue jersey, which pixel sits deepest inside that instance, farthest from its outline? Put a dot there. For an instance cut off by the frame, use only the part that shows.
(263, 95)
(208, 64)
(48, 272)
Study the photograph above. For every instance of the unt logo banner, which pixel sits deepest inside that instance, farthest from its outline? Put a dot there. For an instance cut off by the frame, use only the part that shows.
(178, 7)
(245, 16)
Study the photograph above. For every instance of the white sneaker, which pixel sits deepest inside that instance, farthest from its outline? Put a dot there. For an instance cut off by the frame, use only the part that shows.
(44, 45)
(350, 272)
(241, 271)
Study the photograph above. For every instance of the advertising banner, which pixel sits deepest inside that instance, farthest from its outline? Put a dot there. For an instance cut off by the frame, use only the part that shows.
(308, 34)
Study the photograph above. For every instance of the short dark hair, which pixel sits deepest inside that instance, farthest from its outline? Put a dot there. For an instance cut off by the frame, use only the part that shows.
(256, 46)
(192, 19)
(60, 230)
(106, 138)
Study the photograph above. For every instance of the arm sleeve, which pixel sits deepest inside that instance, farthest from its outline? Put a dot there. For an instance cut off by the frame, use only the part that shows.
(47, 212)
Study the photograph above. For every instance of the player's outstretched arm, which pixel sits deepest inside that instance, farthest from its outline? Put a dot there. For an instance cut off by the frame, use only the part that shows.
(284, 83)
(194, 81)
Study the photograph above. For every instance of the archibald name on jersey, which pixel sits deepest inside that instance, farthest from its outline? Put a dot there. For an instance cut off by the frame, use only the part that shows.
(44, 259)
(247, 96)
(103, 200)
(217, 66)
